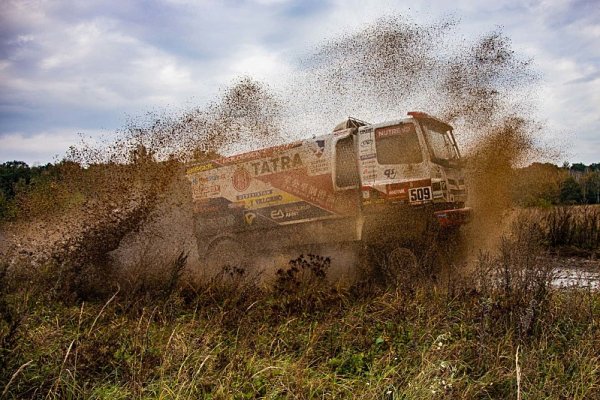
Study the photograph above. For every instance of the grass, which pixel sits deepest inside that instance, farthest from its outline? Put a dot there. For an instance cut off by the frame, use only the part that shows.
(456, 337)
(572, 227)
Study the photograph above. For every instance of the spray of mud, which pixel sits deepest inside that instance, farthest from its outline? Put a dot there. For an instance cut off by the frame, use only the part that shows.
(392, 66)
(479, 85)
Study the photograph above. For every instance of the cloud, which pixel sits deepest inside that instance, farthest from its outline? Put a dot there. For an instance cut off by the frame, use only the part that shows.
(39, 148)
(84, 66)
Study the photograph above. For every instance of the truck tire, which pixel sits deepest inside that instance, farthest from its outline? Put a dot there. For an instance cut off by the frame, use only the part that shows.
(400, 267)
(227, 256)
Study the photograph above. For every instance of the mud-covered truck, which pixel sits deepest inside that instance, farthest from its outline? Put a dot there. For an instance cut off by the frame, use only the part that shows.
(385, 186)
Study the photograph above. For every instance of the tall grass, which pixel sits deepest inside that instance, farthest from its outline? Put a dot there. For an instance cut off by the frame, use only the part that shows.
(577, 226)
(231, 338)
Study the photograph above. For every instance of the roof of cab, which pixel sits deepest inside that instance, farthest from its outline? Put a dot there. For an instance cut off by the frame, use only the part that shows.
(425, 116)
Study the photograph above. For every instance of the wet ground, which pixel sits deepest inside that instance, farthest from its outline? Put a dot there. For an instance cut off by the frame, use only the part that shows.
(137, 249)
(576, 272)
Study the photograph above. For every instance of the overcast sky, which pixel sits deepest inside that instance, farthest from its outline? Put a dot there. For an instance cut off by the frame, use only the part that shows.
(87, 66)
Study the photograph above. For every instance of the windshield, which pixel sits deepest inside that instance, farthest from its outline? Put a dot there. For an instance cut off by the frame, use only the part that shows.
(398, 144)
(439, 143)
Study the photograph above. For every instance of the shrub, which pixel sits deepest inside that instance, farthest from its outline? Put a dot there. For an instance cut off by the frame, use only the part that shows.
(577, 226)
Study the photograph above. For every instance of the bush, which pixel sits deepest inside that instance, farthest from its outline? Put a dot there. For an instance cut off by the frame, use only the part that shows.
(230, 338)
(572, 226)
(516, 283)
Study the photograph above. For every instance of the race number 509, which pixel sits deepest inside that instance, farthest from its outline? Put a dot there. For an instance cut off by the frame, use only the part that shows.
(420, 194)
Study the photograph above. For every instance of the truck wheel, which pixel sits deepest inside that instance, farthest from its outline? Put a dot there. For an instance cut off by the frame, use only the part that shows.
(400, 267)
(228, 257)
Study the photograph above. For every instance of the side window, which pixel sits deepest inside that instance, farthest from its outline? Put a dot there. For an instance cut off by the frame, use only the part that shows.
(398, 144)
(346, 170)
(439, 142)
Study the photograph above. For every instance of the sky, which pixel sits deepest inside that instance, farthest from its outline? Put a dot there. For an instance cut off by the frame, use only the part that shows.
(87, 67)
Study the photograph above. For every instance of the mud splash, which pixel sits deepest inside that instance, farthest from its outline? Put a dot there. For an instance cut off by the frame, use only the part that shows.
(392, 66)
(247, 113)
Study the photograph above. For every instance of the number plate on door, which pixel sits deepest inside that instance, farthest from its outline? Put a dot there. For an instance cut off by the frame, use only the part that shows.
(420, 194)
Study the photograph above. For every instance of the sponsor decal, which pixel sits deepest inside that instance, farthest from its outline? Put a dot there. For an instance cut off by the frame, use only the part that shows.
(366, 142)
(200, 179)
(212, 178)
(318, 148)
(241, 179)
(369, 173)
(390, 173)
(201, 191)
(269, 199)
(370, 164)
(394, 130)
(277, 214)
(319, 166)
(200, 168)
(315, 189)
(403, 189)
(293, 212)
(397, 192)
(246, 196)
(277, 164)
(249, 218)
(309, 191)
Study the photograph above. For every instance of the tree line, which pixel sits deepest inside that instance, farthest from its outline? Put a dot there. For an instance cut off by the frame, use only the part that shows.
(539, 184)
(17, 178)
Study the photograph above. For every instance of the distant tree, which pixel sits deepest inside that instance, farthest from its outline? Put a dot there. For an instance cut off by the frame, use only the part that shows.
(590, 184)
(579, 167)
(570, 191)
(538, 184)
(11, 173)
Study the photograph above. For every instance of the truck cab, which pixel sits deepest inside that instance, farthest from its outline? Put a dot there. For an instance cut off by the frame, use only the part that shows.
(404, 169)
(413, 160)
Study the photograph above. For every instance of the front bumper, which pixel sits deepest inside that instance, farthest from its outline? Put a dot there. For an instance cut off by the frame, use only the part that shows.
(454, 217)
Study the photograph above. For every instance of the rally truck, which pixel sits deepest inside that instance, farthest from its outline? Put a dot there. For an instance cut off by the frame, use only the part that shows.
(386, 186)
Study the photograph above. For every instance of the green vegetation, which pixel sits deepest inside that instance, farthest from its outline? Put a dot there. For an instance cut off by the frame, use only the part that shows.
(25, 189)
(76, 328)
(497, 331)
(547, 184)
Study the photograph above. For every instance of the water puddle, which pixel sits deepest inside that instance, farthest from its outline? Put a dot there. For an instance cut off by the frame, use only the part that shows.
(569, 277)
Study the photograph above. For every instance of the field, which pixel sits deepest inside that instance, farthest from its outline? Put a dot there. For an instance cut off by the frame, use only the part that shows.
(100, 296)
(496, 328)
